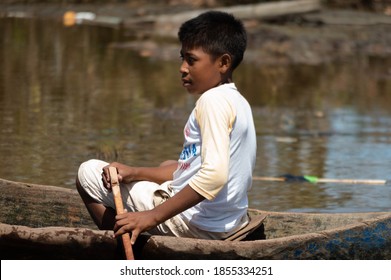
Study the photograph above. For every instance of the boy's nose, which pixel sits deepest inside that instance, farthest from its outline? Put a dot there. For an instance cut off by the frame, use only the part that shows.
(184, 69)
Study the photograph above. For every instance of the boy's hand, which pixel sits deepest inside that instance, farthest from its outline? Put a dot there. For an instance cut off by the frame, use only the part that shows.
(123, 171)
(134, 223)
(106, 177)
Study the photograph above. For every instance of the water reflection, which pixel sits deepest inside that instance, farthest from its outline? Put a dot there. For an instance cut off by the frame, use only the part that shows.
(66, 95)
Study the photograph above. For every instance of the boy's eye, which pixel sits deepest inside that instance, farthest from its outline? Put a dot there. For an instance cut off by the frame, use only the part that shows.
(190, 60)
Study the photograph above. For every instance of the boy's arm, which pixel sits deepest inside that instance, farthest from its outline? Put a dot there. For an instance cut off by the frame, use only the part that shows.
(128, 174)
(137, 222)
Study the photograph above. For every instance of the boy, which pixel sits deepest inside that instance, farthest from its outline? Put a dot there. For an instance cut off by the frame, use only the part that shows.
(204, 193)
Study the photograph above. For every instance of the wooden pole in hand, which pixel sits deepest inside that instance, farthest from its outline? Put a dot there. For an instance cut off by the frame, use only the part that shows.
(120, 209)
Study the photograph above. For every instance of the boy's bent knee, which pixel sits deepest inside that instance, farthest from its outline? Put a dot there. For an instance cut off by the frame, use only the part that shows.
(90, 170)
(92, 165)
(89, 181)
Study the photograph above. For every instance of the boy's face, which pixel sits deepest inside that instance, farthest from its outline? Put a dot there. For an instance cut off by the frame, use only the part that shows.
(199, 71)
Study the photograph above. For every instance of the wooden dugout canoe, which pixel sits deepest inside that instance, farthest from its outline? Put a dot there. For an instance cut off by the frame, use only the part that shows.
(47, 222)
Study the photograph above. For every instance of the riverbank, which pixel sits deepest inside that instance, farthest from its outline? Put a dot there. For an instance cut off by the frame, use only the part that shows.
(312, 36)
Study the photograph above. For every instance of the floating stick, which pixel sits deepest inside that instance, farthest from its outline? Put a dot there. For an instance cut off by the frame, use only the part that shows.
(313, 179)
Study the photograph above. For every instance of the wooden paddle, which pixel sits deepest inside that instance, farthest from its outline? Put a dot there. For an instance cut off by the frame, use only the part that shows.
(120, 209)
(313, 179)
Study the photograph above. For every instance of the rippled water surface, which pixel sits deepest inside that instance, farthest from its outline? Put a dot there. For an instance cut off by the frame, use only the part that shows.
(70, 94)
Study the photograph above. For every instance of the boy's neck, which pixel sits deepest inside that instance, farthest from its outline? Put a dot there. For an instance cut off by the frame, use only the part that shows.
(227, 80)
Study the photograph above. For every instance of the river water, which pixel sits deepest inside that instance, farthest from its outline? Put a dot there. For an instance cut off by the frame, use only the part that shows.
(68, 94)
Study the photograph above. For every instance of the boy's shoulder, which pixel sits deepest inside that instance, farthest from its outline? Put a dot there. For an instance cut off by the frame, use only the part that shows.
(220, 96)
(220, 91)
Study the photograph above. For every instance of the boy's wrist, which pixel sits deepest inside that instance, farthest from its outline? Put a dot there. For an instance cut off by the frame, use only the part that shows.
(157, 216)
(131, 175)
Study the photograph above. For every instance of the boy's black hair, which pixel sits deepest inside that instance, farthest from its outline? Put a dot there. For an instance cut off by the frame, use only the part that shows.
(216, 33)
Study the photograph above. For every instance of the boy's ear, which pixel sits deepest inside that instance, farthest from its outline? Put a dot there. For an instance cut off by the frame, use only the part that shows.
(225, 62)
